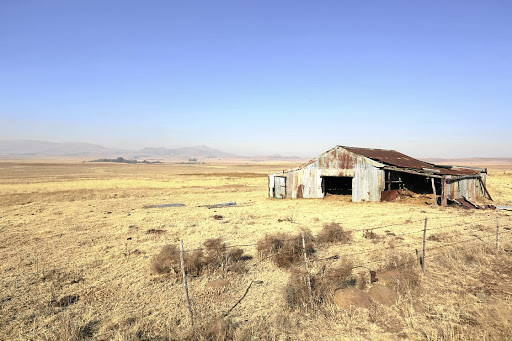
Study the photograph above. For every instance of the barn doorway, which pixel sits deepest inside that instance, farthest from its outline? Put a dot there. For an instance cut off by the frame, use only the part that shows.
(337, 185)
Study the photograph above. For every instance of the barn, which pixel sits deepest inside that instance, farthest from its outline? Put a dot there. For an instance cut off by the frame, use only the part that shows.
(371, 174)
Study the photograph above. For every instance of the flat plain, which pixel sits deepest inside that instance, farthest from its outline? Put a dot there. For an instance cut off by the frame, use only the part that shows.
(77, 241)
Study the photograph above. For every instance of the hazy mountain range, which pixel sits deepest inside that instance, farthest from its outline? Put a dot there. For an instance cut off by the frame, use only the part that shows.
(31, 148)
(88, 151)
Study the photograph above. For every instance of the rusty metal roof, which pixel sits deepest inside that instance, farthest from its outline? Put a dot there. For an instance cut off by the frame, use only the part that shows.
(397, 159)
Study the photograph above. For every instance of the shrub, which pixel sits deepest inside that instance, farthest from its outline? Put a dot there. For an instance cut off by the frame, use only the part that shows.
(214, 253)
(369, 234)
(408, 275)
(285, 249)
(194, 263)
(333, 233)
(215, 256)
(167, 261)
(323, 286)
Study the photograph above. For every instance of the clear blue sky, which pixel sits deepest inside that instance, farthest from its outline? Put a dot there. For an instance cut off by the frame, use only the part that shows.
(429, 78)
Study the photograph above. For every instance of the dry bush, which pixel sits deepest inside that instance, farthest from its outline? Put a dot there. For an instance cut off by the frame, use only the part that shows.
(334, 233)
(323, 286)
(167, 261)
(271, 244)
(408, 274)
(338, 277)
(219, 256)
(369, 234)
(216, 256)
(194, 262)
(297, 291)
(285, 249)
(215, 249)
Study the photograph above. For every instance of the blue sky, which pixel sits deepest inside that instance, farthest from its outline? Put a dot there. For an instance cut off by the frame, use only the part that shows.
(429, 78)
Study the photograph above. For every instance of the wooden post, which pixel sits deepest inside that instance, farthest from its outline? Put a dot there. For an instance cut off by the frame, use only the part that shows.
(307, 268)
(389, 180)
(444, 194)
(424, 245)
(485, 188)
(497, 231)
(434, 191)
(185, 286)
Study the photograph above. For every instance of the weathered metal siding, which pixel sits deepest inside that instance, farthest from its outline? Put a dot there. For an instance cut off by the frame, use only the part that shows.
(367, 182)
(280, 184)
(471, 189)
(271, 185)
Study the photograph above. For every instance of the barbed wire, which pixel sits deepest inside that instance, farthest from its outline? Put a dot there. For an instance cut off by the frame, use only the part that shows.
(312, 237)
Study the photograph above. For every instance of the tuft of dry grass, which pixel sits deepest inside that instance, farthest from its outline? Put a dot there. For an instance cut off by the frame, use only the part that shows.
(71, 330)
(167, 261)
(334, 233)
(407, 271)
(216, 256)
(285, 249)
(323, 285)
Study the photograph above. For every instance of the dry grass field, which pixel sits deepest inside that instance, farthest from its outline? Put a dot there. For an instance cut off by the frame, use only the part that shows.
(77, 245)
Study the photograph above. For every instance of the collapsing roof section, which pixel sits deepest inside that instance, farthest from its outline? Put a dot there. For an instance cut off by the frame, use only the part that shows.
(393, 160)
(397, 159)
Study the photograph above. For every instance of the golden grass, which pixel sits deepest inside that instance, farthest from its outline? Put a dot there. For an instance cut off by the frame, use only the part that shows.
(81, 229)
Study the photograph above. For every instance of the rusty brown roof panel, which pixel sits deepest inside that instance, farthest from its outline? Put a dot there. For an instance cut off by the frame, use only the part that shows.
(397, 159)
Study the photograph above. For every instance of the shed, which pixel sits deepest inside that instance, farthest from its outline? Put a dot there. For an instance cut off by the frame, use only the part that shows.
(366, 174)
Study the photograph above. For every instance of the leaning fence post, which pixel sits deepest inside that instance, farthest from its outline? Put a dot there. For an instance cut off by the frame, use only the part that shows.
(497, 231)
(307, 268)
(185, 286)
(424, 245)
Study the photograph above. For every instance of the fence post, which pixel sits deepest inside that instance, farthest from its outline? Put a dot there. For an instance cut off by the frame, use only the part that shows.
(185, 286)
(497, 231)
(307, 268)
(424, 245)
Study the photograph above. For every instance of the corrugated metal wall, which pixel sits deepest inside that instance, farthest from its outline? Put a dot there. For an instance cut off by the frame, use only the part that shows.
(367, 182)
(471, 189)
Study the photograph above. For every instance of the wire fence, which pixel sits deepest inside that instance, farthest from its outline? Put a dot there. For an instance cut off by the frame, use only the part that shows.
(439, 238)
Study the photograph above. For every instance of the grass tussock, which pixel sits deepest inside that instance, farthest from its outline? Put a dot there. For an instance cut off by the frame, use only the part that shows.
(323, 285)
(71, 330)
(214, 257)
(167, 261)
(285, 250)
(334, 233)
(215, 328)
(406, 272)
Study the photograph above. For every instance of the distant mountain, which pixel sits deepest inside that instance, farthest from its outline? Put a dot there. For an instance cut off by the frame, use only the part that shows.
(30, 148)
(199, 152)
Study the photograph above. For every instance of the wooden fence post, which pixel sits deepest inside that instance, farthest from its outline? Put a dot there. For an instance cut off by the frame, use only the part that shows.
(424, 245)
(497, 231)
(185, 286)
(307, 268)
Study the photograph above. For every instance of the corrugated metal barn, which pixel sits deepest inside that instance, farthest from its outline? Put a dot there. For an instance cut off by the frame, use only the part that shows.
(368, 174)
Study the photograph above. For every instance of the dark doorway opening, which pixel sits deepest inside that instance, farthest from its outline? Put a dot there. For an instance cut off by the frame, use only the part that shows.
(338, 185)
(415, 183)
